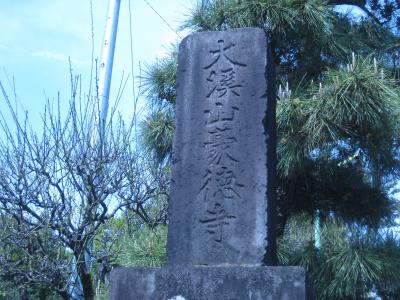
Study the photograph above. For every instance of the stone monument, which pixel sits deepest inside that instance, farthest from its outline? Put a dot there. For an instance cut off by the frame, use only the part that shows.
(222, 204)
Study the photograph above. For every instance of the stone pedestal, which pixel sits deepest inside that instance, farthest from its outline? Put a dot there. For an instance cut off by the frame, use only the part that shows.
(210, 283)
(222, 206)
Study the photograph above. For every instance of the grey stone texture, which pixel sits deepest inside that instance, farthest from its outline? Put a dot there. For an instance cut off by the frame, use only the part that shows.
(222, 205)
(218, 207)
(210, 283)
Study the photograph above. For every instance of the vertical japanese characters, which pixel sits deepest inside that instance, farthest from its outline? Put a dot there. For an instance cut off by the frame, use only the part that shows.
(220, 182)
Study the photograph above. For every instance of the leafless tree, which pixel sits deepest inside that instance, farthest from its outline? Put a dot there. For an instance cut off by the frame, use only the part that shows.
(32, 259)
(62, 182)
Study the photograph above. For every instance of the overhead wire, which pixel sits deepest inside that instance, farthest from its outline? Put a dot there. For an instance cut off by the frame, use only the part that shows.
(131, 56)
(135, 99)
(165, 21)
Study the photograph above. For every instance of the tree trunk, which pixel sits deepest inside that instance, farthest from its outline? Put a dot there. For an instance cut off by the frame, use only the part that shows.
(64, 295)
(43, 294)
(85, 277)
(23, 294)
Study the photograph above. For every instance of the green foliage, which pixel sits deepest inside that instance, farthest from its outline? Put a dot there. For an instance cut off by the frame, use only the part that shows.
(337, 143)
(338, 132)
(351, 104)
(355, 103)
(157, 133)
(351, 261)
(145, 247)
(160, 86)
(160, 80)
(126, 241)
(134, 244)
(32, 261)
(7, 290)
(278, 17)
(299, 30)
(306, 36)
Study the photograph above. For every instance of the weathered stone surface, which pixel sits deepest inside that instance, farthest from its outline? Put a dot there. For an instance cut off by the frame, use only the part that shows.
(210, 283)
(223, 181)
(219, 191)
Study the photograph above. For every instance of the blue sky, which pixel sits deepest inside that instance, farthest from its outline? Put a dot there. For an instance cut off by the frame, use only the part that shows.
(38, 36)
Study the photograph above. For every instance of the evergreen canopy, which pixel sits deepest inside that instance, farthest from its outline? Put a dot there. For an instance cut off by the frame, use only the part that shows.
(338, 130)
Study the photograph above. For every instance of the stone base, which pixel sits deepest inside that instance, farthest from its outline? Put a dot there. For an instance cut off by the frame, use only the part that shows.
(210, 283)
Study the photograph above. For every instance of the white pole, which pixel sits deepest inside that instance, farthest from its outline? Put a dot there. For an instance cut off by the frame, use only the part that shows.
(106, 63)
(105, 73)
(317, 229)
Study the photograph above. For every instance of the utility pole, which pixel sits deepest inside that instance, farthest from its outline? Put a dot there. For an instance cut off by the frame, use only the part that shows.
(103, 93)
(106, 64)
(317, 229)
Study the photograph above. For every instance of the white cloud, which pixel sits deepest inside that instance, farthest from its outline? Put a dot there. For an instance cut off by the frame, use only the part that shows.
(50, 55)
(59, 57)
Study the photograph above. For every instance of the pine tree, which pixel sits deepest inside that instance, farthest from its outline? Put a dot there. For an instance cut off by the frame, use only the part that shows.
(338, 127)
